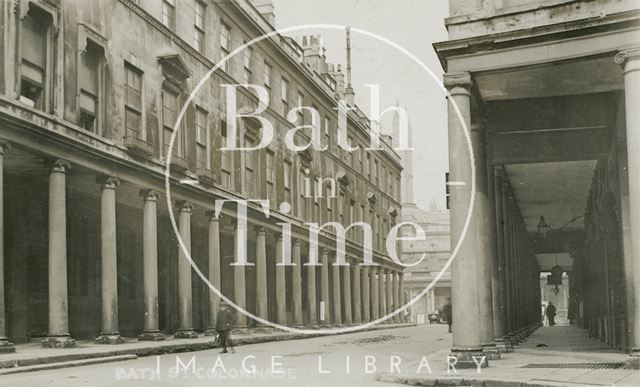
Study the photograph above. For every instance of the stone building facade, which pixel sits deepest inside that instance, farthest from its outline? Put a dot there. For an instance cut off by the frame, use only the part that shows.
(436, 251)
(89, 95)
(548, 93)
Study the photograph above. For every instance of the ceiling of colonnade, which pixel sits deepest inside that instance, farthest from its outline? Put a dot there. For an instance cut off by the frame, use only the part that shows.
(556, 190)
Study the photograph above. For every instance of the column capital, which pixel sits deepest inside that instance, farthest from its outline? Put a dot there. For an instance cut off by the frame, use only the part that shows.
(184, 206)
(458, 80)
(625, 57)
(4, 146)
(108, 182)
(211, 215)
(149, 195)
(59, 165)
(261, 230)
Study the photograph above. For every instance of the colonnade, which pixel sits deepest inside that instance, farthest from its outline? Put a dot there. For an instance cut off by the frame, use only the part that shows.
(340, 298)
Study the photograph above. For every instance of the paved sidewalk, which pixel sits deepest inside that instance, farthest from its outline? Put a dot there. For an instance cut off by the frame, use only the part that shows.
(565, 345)
(30, 355)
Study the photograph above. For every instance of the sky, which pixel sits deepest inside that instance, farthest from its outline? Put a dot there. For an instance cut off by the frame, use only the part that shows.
(412, 24)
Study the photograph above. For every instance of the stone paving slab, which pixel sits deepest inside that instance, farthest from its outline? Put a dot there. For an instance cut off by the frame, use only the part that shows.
(32, 354)
(564, 345)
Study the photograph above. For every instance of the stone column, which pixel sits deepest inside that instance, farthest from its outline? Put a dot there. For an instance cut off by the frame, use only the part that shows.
(324, 291)
(58, 335)
(388, 285)
(281, 287)
(261, 275)
(365, 287)
(214, 271)
(630, 62)
(375, 302)
(185, 329)
(403, 301)
(396, 294)
(109, 262)
(151, 331)
(508, 254)
(336, 301)
(382, 293)
(499, 274)
(357, 294)
(296, 273)
(484, 239)
(346, 285)
(467, 338)
(5, 345)
(312, 307)
(239, 287)
(432, 300)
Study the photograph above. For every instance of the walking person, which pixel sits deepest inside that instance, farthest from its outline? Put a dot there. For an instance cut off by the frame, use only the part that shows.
(224, 325)
(551, 314)
(447, 313)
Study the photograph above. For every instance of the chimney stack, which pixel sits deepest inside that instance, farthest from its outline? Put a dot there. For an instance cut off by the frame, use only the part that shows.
(266, 8)
(314, 53)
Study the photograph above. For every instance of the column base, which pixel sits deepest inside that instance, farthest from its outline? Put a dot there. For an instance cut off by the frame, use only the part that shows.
(491, 350)
(58, 342)
(466, 359)
(210, 332)
(151, 336)
(241, 331)
(6, 346)
(633, 360)
(503, 346)
(186, 334)
(262, 329)
(109, 338)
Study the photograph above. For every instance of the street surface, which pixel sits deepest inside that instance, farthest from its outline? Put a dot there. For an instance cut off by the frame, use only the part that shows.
(351, 359)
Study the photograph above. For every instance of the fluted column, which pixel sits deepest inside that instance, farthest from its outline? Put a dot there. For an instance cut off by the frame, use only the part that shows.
(375, 302)
(58, 335)
(261, 275)
(630, 61)
(365, 287)
(239, 287)
(324, 291)
(357, 294)
(214, 271)
(296, 282)
(336, 300)
(346, 297)
(5, 345)
(281, 296)
(185, 306)
(109, 262)
(465, 285)
(151, 331)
